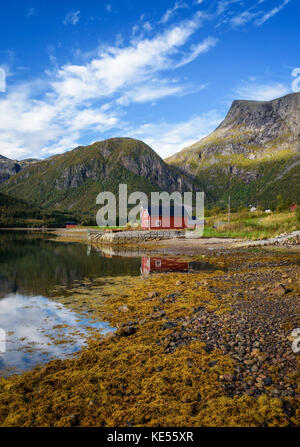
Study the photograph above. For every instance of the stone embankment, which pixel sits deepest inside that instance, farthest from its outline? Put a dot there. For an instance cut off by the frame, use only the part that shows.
(125, 237)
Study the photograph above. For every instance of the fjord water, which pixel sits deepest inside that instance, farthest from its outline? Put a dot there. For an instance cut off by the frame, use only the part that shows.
(31, 266)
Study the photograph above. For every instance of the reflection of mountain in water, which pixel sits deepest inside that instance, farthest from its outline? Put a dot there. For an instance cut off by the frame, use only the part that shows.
(30, 264)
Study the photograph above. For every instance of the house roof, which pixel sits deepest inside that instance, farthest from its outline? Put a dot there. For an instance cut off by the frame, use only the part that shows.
(165, 211)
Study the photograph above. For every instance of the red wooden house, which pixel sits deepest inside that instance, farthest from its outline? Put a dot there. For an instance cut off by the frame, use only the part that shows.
(165, 218)
(293, 207)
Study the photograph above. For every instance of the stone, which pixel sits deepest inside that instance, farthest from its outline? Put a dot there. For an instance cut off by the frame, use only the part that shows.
(226, 377)
(153, 294)
(279, 290)
(249, 362)
(127, 331)
(123, 308)
(110, 335)
(262, 357)
(169, 325)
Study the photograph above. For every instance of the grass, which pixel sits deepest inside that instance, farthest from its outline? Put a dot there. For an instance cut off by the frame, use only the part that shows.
(257, 225)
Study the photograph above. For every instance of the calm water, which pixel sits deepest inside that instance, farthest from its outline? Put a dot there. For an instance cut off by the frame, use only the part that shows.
(37, 327)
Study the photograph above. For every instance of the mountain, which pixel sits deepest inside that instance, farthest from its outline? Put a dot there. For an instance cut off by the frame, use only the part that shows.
(8, 167)
(253, 156)
(73, 180)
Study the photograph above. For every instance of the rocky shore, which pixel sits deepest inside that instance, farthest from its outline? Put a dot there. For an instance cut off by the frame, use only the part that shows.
(201, 349)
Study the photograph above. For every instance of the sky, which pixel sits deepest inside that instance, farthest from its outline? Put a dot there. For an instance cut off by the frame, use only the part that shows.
(162, 71)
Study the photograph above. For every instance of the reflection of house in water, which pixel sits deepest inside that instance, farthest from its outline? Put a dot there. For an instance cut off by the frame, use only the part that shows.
(162, 264)
(157, 263)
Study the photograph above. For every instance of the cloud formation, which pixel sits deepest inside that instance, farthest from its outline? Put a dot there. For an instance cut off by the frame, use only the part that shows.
(52, 113)
(171, 11)
(261, 91)
(269, 14)
(167, 138)
(72, 18)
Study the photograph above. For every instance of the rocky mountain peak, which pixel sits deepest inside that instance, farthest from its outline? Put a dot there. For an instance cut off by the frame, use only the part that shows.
(271, 117)
(9, 168)
(251, 154)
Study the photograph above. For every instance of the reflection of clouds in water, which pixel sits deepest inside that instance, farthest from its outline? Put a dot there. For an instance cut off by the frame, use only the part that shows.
(29, 323)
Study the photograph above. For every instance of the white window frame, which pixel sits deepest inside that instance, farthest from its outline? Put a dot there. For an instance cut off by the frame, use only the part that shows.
(158, 223)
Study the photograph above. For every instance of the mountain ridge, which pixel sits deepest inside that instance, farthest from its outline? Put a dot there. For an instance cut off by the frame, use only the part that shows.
(9, 168)
(72, 181)
(253, 155)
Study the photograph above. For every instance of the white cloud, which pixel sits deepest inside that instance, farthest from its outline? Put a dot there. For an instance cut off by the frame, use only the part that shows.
(200, 48)
(108, 7)
(148, 93)
(116, 68)
(72, 18)
(54, 112)
(46, 126)
(243, 18)
(261, 91)
(268, 15)
(147, 26)
(157, 89)
(168, 138)
(171, 11)
(227, 12)
(223, 5)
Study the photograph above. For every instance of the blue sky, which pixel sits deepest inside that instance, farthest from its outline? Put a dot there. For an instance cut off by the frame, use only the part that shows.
(163, 71)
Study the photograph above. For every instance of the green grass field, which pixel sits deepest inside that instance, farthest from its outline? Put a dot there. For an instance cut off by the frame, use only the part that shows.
(257, 225)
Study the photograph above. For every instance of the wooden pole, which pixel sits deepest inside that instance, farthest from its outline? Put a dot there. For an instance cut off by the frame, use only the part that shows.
(229, 210)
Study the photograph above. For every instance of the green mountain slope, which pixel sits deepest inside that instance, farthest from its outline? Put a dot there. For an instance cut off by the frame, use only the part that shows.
(73, 180)
(254, 155)
(18, 213)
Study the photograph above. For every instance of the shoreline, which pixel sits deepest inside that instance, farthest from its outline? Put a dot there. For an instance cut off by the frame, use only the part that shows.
(184, 246)
(191, 349)
(173, 246)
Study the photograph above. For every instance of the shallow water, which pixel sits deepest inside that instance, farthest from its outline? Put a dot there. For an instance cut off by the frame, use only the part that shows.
(34, 269)
(37, 328)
